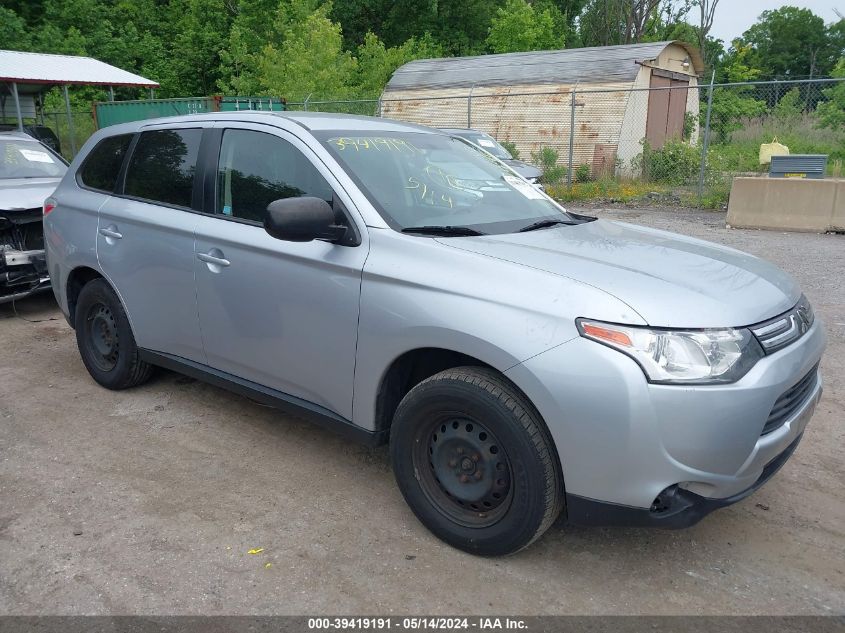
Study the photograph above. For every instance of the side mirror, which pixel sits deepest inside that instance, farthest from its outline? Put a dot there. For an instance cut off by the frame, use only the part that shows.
(302, 220)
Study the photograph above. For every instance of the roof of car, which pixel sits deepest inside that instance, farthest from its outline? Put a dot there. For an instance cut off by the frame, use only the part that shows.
(463, 130)
(14, 135)
(312, 121)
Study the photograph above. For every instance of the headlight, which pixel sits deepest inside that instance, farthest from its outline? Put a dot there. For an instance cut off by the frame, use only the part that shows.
(680, 356)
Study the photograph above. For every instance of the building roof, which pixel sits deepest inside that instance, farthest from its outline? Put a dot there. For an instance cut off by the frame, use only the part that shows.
(594, 65)
(41, 68)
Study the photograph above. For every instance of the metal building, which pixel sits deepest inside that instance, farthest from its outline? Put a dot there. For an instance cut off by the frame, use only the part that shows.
(618, 97)
(24, 77)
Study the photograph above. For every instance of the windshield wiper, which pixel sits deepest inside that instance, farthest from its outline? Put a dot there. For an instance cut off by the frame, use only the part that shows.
(544, 224)
(448, 231)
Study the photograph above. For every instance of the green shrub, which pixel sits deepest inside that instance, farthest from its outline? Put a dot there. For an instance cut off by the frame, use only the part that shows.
(511, 147)
(676, 163)
(546, 159)
(583, 173)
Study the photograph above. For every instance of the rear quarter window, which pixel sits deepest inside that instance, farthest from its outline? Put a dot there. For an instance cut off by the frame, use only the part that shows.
(162, 166)
(102, 166)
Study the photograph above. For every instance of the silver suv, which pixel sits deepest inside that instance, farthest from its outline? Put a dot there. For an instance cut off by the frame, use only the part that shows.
(395, 284)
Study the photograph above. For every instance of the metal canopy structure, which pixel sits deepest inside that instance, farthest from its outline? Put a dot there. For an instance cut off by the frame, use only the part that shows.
(28, 74)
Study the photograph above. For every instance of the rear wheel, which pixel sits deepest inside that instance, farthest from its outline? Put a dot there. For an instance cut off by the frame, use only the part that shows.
(105, 339)
(475, 462)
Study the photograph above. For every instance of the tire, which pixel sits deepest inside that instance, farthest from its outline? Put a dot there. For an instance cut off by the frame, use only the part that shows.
(105, 339)
(475, 462)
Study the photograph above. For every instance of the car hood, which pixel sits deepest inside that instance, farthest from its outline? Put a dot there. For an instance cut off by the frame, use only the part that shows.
(524, 169)
(25, 193)
(670, 280)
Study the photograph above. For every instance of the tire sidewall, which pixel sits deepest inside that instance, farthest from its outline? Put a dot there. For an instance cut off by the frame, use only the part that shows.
(521, 522)
(98, 291)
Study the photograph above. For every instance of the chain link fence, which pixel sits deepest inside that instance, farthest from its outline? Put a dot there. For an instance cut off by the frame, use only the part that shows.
(676, 144)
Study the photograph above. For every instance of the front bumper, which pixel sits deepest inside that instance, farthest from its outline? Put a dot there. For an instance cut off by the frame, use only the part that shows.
(22, 273)
(675, 508)
(625, 442)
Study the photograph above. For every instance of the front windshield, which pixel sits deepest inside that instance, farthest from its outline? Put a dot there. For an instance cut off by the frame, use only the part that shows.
(28, 159)
(418, 179)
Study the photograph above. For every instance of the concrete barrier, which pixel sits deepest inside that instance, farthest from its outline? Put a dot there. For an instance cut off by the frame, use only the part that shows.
(787, 203)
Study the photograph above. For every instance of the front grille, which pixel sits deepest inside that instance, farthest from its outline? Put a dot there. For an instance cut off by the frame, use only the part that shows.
(792, 400)
(787, 328)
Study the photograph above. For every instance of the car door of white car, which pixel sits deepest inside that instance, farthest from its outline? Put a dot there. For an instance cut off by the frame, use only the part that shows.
(277, 313)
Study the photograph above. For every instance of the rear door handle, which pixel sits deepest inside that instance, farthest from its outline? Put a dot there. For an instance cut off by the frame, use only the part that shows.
(211, 259)
(110, 232)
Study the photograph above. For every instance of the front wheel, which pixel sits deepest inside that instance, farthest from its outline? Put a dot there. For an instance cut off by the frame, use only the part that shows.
(475, 462)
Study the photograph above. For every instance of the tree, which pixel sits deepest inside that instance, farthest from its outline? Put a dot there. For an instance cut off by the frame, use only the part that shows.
(376, 62)
(202, 28)
(308, 59)
(13, 31)
(731, 105)
(607, 22)
(792, 43)
(707, 13)
(519, 27)
(459, 27)
(240, 54)
(832, 112)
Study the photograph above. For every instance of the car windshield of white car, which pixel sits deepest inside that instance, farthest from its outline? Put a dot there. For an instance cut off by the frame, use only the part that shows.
(27, 159)
(419, 179)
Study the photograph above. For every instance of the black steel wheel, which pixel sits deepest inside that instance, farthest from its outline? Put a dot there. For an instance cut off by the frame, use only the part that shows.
(464, 470)
(102, 338)
(475, 462)
(105, 338)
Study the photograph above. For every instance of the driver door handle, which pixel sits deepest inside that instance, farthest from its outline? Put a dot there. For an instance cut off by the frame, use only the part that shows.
(111, 233)
(211, 259)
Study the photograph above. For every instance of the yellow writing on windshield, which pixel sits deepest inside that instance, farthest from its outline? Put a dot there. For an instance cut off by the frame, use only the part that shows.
(428, 195)
(374, 143)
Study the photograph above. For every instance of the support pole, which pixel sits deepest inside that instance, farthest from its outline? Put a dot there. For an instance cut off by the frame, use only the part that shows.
(469, 107)
(706, 144)
(17, 106)
(111, 93)
(571, 140)
(152, 93)
(70, 129)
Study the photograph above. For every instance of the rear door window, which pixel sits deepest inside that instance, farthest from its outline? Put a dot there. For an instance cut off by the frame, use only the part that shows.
(162, 166)
(256, 168)
(102, 166)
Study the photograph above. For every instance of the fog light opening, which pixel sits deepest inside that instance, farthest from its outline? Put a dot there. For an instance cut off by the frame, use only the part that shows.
(664, 501)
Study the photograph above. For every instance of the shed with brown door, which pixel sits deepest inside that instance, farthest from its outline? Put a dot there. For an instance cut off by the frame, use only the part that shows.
(618, 96)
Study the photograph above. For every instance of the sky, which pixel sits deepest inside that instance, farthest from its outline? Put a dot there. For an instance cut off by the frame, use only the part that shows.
(733, 17)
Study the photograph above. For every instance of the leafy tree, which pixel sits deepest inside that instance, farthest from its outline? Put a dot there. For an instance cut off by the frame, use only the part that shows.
(732, 105)
(519, 27)
(240, 54)
(201, 30)
(792, 43)
(832, 112)
(13, 31)
(376, 62)
(790, 106)
(358, 18)
(309, 59)
(459, 27)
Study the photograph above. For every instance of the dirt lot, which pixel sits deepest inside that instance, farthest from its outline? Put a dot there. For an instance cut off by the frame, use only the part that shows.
(147, 501)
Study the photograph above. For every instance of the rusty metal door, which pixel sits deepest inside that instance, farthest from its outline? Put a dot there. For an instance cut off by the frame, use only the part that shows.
(666, 110)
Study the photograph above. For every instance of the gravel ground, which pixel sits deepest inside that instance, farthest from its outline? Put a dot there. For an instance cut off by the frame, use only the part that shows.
(148, 501)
